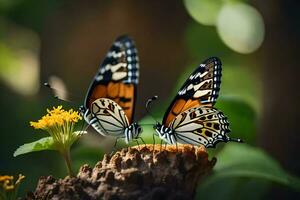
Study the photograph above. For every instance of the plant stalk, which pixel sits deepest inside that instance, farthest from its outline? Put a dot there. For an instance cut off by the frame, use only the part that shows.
(67, 157)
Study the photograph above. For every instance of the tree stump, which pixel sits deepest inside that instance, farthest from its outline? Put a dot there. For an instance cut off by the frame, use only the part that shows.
(141, 172)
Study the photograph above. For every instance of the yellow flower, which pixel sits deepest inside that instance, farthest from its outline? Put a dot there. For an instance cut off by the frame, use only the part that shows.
(6, 182)
(8, 185)
(57, 110)
(56, 117)
(59, 123)
(5, 177)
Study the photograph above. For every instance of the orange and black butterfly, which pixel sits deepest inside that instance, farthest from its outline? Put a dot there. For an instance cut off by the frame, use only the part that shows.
(110, 100)
(191, 118)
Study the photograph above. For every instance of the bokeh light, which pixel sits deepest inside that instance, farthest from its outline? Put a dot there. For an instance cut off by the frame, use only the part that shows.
(204, 11)
(19, 59)
(241, 27)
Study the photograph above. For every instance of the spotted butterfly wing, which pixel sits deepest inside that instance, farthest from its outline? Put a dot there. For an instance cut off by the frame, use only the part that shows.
(110, 100)
(191, 118)
(117, 77)
(201, 125)
(108, 117)
(201, 88)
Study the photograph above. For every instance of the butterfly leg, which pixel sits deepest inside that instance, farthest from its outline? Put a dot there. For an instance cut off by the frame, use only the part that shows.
(174, 141)
(153, 141)
(161, 142)
(143, 141)
(115, 146)
(138, 144)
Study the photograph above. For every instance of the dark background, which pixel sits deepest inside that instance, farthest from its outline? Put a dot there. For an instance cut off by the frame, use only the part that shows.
(68, 40)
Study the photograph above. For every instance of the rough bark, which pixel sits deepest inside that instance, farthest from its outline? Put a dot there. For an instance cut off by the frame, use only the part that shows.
(144, 172)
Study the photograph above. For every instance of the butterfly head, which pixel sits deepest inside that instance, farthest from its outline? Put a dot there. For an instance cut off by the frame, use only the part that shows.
(137, 130)
(157, 126)
(161, 130)
(82, 109)
(85, 113)
(132, 132)
(165, 133)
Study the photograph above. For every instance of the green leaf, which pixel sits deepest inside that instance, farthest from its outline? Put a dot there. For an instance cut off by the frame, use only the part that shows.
(233, 189)
(244, 161)
(45, 143)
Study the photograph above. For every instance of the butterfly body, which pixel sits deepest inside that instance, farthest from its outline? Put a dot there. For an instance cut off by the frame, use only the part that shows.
(191, 118)
(165, 133)
(110, 100)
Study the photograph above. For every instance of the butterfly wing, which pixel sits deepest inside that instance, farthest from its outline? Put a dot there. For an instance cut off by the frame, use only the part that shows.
(117, 77)
(201, 88)
(108, 118)
(201, 125)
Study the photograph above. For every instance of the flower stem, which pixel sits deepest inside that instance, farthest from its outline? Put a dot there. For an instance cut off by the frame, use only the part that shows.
(67, 157)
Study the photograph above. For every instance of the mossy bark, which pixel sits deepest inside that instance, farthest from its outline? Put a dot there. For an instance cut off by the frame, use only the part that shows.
(140, 172)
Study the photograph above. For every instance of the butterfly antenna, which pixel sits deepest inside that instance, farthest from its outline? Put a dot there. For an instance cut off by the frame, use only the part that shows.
(56, 91)
(149, 101)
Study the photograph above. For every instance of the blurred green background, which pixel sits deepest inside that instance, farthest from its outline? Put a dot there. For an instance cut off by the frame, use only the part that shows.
(63, 42)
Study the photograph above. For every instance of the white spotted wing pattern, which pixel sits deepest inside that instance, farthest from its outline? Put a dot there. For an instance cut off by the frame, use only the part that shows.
(110, 100)
(201, 88)
(202, 125)
(108, 118)
(120, 63)
(204, 82)
(191, 118)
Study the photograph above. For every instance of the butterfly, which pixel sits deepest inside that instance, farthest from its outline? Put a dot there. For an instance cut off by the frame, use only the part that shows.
(110, 100)
(191, 117)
